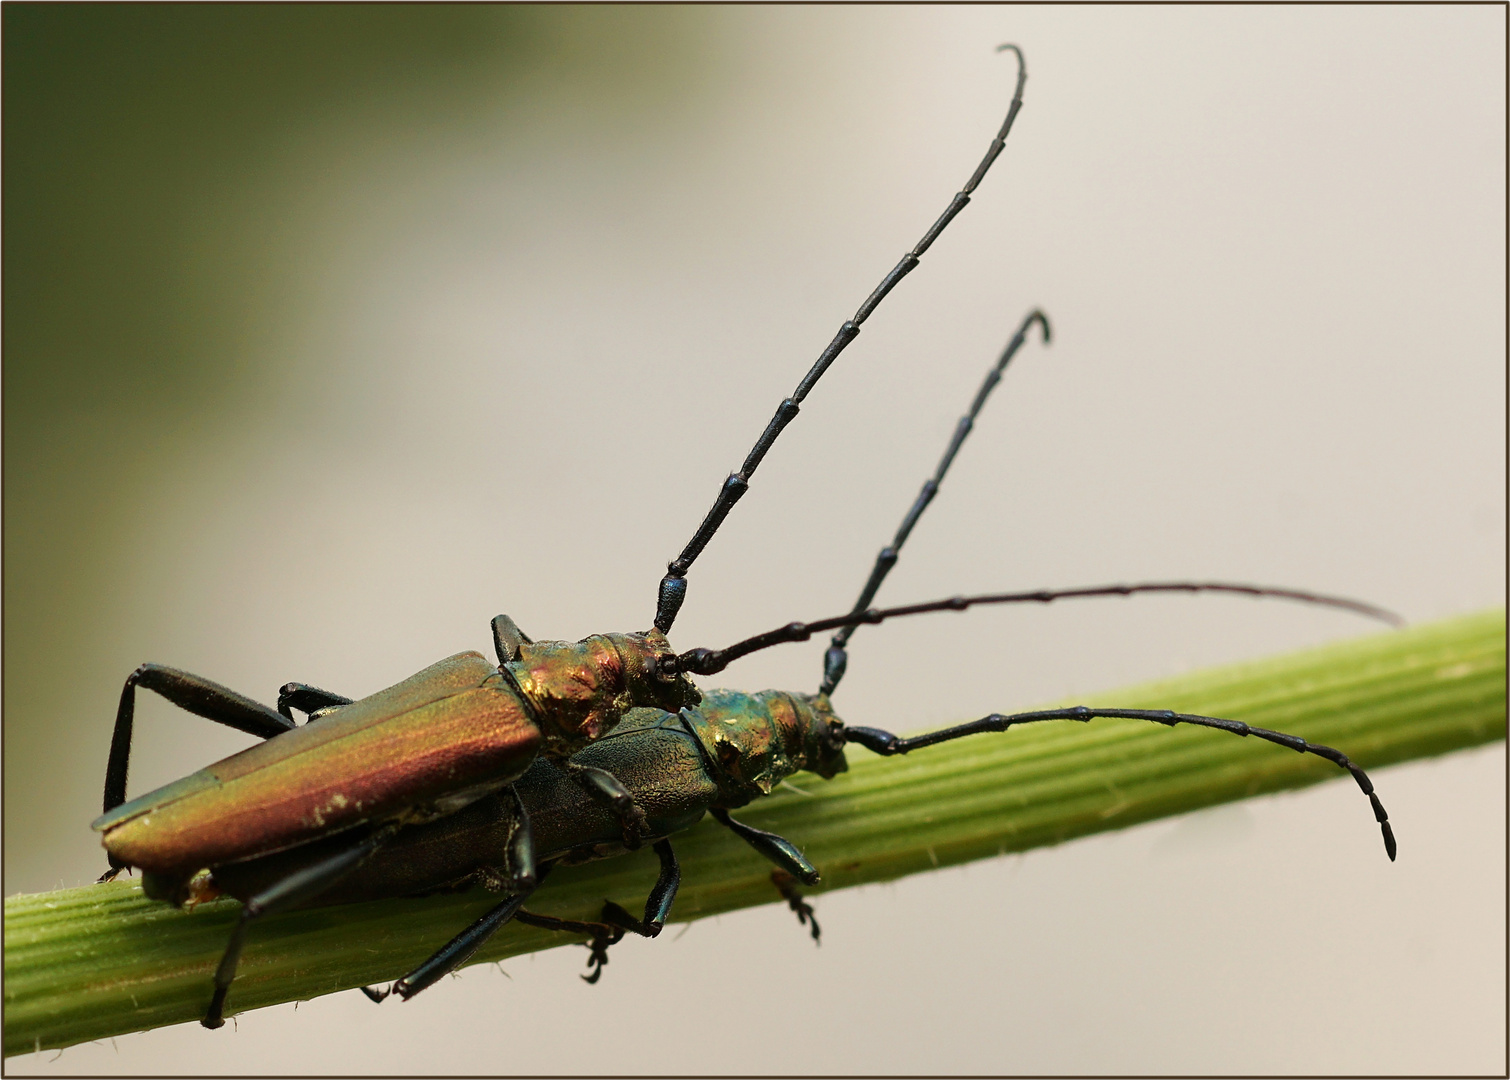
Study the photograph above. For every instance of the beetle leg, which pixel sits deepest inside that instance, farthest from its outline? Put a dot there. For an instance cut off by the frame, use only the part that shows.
(603, 935)
(657, 904)
(291, 891)
(453, 953)
(189, 692)
(520, 850)
(787, 886)
(606, 788)
(779, 850)
(507, 637)
(307, 699)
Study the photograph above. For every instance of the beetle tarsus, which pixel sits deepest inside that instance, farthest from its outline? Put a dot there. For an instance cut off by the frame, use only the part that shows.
(377, 997)
(787, 886)
(603, 935)
(597, 957)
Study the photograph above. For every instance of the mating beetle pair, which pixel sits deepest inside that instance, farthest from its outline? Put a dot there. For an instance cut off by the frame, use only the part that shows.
(560, 753)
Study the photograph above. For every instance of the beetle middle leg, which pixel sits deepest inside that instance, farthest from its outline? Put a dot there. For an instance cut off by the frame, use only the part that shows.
(657, 904)
(616, 920)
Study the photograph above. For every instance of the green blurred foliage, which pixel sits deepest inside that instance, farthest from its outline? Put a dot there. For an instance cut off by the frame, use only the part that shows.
(164, 166)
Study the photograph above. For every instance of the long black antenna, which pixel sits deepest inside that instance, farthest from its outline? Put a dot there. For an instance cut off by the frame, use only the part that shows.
(837, 659)
(673, 589)
(712, 661)
(887, 744)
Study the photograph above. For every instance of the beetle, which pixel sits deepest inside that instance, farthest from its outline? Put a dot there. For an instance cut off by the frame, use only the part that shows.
(426, 747)
(722, 753)
(432, 744)
(401, 766)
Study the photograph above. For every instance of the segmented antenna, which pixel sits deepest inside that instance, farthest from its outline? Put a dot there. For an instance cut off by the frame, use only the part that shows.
(673, 588)
(887, 744)
(837, 659)
(712, 661)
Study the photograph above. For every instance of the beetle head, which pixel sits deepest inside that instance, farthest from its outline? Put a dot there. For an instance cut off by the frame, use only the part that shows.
(652, 677)
(823, 738)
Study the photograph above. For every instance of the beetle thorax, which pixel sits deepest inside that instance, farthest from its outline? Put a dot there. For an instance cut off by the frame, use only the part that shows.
(758, 740)
(579, 690)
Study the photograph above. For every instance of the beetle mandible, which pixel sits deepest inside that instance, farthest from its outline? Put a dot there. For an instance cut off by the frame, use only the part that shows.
(337, 808)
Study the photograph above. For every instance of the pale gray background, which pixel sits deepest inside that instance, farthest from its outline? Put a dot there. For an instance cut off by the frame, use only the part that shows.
(1272, 245)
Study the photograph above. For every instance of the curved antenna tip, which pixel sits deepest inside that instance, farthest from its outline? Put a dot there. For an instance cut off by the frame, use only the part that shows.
(1043, 321)
(1022, 65)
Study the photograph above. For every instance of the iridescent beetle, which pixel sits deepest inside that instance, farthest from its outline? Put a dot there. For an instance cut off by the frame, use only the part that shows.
(561, 753)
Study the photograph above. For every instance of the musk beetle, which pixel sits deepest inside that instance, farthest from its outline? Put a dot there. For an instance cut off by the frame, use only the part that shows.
(563, 752)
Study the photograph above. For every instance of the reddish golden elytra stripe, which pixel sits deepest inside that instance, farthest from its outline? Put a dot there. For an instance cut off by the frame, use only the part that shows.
(454, 725)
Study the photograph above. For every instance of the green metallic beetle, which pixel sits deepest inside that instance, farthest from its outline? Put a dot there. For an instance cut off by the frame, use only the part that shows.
(564, 752)
(728, 751)
(733, 748)
(454, 733)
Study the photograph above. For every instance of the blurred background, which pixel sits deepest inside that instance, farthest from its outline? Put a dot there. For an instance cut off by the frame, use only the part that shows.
(333, 331)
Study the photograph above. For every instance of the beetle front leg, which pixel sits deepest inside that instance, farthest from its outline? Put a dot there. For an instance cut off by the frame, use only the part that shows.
(507, 638)
(301, 885)
(786, 885)
(778, 849)
(606, 788)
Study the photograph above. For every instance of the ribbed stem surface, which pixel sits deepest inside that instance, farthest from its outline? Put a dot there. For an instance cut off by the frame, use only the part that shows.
(83, 964)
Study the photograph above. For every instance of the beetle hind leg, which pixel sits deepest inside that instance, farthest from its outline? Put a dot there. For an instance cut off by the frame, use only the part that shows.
(295, 889)
(310, 700)
(453, 953)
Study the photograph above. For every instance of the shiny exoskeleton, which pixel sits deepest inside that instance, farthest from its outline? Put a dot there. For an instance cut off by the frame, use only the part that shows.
(461, 730)
(723, 754)
(471, 773)
(733, 748)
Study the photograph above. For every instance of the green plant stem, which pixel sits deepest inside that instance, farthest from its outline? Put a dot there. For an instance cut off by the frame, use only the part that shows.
(83, 964)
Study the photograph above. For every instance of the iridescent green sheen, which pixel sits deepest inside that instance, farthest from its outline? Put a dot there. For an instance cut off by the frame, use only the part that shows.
(760, 739)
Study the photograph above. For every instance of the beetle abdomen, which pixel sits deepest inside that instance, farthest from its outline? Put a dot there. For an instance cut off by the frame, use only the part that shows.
(453, 726)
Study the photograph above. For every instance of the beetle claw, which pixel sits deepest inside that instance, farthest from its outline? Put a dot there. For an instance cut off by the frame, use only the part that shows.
(598, 956)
